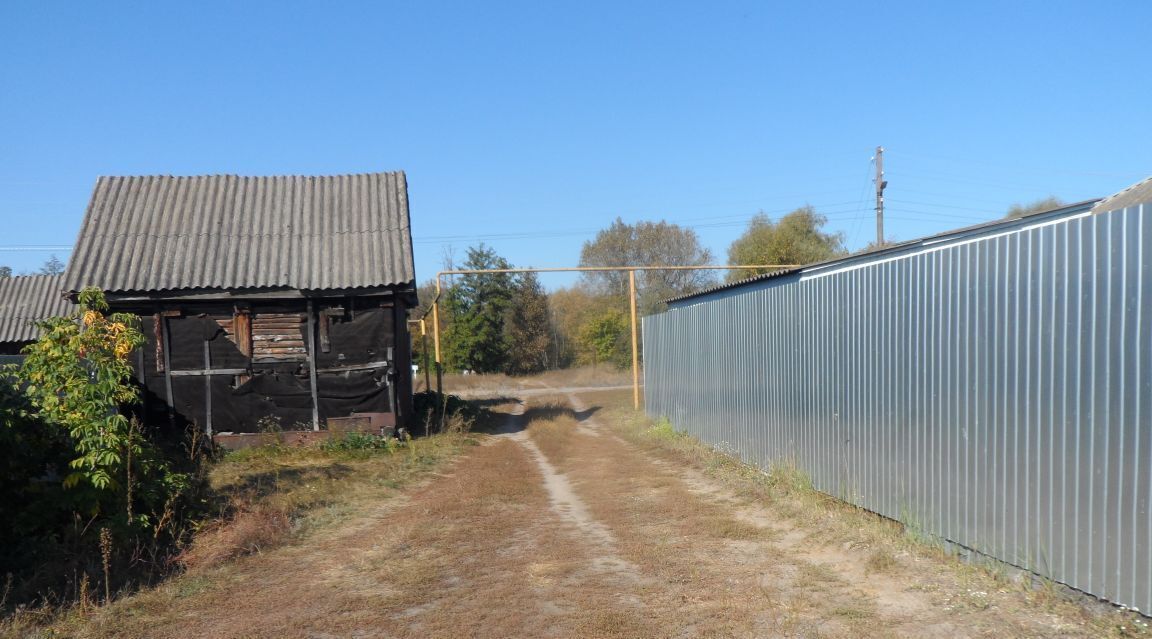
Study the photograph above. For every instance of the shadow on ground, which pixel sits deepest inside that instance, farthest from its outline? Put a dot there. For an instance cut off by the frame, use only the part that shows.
(505, 426)
(255, 486)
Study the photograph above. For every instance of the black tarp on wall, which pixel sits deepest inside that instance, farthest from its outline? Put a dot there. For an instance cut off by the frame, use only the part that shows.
(364, 339)
(239, 402)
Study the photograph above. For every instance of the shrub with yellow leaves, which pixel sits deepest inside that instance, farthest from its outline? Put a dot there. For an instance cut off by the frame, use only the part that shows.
(78, 375)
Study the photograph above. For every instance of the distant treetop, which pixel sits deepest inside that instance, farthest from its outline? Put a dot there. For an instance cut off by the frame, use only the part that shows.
(1045, 204)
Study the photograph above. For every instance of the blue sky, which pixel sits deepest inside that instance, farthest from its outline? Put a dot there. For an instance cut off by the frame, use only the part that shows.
(530, 125)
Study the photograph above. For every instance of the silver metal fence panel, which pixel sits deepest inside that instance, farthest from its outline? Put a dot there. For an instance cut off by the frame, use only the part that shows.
(995, 390)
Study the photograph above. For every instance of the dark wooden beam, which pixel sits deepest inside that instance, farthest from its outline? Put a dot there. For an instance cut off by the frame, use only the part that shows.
(208, 389)
(312, 366)
(209, 372)
(357, 367)
(167, 367)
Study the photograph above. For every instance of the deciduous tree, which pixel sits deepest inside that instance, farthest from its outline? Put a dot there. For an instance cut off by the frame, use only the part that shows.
(527, 335)
(797, 238)
(569, 309)
(1043, 204)
(52, 267)
(605, 338)
(647, 244)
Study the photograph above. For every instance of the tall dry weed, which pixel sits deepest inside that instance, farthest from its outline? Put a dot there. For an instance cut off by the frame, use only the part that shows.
(259, 528)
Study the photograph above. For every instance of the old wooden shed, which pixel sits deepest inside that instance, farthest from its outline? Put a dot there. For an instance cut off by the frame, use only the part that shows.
(267, 302)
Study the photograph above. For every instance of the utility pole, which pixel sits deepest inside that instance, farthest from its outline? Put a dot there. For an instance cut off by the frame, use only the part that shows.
(880, 184)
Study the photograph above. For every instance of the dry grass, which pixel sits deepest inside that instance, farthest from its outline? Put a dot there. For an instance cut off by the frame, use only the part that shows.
(711, 562)
(588, 522)
(247, 532)
(873, 549)
(551, 423)
(267, 499)
(586, 376)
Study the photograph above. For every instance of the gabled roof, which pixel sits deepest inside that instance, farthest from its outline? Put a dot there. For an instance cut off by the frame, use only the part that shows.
(227, 232)
(1138, 193)
(29, 298)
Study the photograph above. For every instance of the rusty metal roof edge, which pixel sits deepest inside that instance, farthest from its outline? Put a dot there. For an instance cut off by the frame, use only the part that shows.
(952, 235)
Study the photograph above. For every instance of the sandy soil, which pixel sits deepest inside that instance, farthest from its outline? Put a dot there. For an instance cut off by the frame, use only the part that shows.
(558, 527)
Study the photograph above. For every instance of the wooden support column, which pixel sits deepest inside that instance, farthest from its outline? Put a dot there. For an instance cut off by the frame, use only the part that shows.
(312, 366)
(167, 351)
(207, 389)
(401, 362)
(140, 365)
(143, 379)
(242, 329)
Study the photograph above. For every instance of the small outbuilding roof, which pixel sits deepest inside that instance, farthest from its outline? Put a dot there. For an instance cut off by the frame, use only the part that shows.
(1139, 193)
(26, 299)
(226, 232)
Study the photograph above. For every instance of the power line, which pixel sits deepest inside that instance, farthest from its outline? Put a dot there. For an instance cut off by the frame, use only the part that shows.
(982, 162)
(960, 180)
(36, 247)
(937, 214)
(707, 222)
(945, 206)
(860, 203)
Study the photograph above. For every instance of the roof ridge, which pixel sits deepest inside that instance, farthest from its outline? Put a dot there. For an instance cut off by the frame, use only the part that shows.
(153, 233)
(251, 177)
(1102, 205)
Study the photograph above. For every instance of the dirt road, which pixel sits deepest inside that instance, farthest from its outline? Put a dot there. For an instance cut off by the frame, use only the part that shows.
(558, 527)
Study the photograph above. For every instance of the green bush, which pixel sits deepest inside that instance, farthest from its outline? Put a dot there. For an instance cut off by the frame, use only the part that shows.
(350, 442)
(86, 494)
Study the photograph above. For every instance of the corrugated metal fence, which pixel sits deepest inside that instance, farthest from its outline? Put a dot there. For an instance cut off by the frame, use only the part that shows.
(992, 389)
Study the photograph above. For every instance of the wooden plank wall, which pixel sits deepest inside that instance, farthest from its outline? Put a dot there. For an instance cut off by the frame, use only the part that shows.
(278, 337)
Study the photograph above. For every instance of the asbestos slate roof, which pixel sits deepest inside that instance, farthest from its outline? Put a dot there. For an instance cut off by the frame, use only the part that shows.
(1138, 193)
(164, 233)
(28, 298)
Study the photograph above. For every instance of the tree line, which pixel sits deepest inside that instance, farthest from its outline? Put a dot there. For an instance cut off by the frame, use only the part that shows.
(507, 322)
(53, 266)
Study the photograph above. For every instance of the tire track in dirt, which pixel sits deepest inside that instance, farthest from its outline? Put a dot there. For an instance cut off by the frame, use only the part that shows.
(832, 579)
(568, 506)
(586, 534)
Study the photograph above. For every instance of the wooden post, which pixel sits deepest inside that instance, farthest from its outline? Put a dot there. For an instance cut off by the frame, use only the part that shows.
(167, 348)
(208, 389)
(424, 349)
(312, 366)
(401, 358)
(140, 366)
(436, 322)
(142, 378)
(242, 329)
(635, 345)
